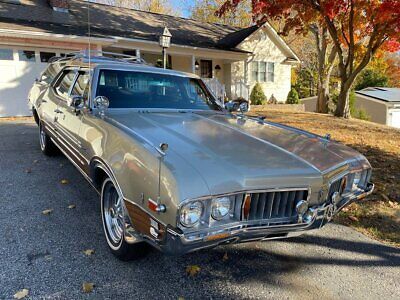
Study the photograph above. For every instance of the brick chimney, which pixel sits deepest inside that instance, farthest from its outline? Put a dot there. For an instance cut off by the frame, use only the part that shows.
(59, 5)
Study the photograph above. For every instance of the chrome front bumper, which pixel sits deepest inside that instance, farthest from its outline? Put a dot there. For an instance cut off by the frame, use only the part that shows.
(177, 243)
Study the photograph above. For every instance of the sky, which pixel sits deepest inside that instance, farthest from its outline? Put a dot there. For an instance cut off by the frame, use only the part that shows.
(182, 5)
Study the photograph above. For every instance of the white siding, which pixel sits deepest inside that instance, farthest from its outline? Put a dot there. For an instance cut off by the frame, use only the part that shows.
(264, 49)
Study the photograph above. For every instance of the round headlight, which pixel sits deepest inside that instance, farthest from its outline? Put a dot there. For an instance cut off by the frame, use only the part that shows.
(191, 213)
(220, 207)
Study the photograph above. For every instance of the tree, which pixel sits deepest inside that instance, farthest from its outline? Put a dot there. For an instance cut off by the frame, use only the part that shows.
(204, 10)
(257, 96)
(155, 6)
(293, 97)
(357, 28)
(370, 78)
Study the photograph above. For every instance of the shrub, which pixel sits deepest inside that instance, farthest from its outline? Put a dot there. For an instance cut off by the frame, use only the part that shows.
(257, 96)
(293, 97)
(362, 115)
(272, 100)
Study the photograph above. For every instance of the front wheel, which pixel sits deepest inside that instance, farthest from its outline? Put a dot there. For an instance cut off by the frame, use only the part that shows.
(113, 216)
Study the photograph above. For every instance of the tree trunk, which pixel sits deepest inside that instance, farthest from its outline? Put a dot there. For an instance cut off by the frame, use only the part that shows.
(343, 107)
(323, 94)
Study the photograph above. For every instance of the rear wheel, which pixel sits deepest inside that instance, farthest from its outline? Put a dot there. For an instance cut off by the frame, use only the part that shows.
(113, 216)
(46, 144)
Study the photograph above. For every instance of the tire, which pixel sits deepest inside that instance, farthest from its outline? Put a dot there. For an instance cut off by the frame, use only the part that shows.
(112, 214)
(46, 145)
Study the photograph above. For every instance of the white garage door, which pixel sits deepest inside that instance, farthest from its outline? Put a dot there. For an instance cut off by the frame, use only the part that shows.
(395, 118)
(18, 69)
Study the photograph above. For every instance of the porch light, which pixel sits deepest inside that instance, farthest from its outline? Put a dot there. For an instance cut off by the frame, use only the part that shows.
(165, 42)
(217, 68)
(196, 65)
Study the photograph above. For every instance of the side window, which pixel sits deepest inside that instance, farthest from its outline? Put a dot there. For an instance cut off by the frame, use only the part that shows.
(81, 87)
(64, 83)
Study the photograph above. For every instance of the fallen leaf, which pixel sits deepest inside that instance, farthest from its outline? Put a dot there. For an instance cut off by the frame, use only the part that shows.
(181, 298)
(192, 270)
(28, 171)
(354, 218)
(71, 206)
(225, 257)
(87, 287)
(89, 252)
(64, 181)
(35, 161)
(47, 211)
(21, 294)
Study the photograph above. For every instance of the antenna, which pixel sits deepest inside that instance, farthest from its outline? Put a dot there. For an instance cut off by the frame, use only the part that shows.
(90, 47)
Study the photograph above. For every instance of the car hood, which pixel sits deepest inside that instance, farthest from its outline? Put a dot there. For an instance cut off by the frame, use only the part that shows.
(232, 153)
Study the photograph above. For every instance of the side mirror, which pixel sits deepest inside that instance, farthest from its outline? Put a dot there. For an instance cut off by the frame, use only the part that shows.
(230, 106)
(244, 107)
(101, 103)
(76, 102)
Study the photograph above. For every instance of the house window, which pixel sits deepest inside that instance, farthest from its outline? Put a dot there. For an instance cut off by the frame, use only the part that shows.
(45, 56)
(26, 55)
(261, 71)
(6, 54)
(206, 68)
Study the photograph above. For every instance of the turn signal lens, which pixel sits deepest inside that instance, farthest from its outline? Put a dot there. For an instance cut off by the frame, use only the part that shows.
(220, 208)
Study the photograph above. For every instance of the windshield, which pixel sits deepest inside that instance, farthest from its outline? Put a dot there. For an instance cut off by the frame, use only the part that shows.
(130, 89)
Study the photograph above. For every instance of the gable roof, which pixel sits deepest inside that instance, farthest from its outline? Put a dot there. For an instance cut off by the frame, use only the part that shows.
(381, 93)
(106, 21)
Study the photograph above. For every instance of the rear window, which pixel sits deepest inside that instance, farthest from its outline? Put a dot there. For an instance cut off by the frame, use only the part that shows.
(129, 89)
(51, 72)
(63, 85)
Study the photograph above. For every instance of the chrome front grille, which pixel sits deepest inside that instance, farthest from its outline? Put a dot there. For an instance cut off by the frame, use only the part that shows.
(277, 206)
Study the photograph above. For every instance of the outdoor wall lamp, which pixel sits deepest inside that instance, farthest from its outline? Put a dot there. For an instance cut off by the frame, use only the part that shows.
(165, 42)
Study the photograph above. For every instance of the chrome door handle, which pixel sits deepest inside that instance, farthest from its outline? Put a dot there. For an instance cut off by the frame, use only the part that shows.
(57, 111)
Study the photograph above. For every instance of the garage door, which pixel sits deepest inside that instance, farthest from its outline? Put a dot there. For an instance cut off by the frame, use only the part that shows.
(395, 118)
(18, 70)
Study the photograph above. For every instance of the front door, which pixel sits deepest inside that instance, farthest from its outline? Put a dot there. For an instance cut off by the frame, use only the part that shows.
(70, 119)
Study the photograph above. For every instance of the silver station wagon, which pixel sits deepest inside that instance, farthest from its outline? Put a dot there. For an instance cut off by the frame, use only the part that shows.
(177, 170)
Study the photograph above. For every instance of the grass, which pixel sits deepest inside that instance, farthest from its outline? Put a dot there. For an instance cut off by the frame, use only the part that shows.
(377, 216)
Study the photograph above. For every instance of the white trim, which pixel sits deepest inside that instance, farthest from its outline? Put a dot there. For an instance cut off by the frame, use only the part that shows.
(41, 35)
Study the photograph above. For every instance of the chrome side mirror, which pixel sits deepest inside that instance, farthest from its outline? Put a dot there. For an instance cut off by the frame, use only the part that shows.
(230, 106)
(101, 103)
(76, 102)
(244, 107)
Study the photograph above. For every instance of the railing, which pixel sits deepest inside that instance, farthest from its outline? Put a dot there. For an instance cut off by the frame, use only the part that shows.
(216, 87)
(240, 89)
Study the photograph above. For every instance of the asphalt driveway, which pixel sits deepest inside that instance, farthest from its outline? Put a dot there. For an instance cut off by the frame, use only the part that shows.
(44, 253)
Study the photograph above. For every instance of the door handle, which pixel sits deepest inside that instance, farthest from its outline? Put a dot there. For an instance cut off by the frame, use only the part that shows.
(57, 111)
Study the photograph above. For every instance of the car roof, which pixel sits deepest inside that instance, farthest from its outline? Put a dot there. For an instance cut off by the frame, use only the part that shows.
(115, 63)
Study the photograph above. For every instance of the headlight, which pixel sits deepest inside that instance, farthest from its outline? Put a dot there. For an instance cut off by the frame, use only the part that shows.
(220, 208)
(191, 213)
(356, 180)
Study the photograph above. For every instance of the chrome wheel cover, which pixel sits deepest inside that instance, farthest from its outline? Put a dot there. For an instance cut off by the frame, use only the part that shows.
(113, 213)
(42, 138)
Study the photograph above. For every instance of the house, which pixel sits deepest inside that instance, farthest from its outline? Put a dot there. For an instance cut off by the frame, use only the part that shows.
(230, 60)
(381, 104)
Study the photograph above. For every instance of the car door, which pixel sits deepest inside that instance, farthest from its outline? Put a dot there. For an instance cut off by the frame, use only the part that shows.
(69, 118)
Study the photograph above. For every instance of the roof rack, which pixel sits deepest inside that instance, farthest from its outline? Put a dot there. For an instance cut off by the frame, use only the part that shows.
(100, 55)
